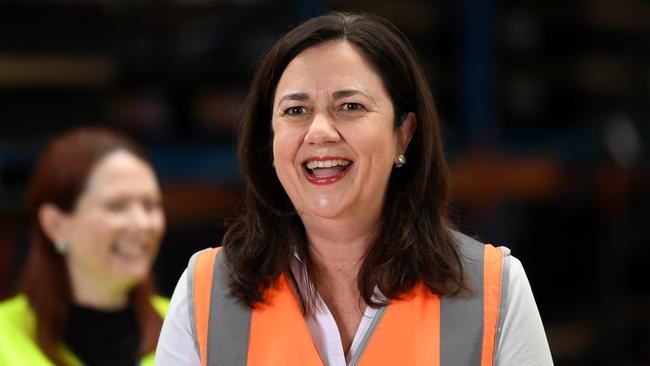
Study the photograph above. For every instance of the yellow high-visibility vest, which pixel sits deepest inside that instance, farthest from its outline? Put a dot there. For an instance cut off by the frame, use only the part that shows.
(18, 346)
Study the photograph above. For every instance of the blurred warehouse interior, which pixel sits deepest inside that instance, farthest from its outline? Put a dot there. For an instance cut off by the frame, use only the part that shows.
(545, 108)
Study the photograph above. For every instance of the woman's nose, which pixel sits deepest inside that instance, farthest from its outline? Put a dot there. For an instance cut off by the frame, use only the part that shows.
(141, 217)
(322, 130)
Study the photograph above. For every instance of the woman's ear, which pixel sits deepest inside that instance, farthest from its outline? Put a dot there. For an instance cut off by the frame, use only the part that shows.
(406, 130)
(52, 220)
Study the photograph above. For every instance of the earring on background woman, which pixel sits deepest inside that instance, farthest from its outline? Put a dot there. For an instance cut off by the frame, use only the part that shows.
(62, 247)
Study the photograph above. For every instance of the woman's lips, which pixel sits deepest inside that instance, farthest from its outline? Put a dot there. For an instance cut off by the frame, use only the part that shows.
(327, 174)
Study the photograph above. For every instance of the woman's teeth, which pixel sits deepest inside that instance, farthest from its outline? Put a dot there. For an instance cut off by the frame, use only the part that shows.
(131, 250)
(314, 164)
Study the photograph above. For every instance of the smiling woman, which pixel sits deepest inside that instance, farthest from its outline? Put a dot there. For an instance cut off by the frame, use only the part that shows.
(343, 113)
(342, 253)
(97, 223)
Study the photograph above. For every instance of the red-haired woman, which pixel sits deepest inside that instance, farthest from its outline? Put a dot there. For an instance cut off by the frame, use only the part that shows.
(97, 221)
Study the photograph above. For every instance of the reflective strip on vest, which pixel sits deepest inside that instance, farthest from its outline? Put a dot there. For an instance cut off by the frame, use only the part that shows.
(421, 329)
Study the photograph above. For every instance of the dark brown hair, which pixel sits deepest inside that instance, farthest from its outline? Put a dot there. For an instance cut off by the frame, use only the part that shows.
(59, 178)
(413, 243)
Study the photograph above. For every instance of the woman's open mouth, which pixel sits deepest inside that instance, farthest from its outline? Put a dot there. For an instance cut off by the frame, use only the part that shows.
(326, 170)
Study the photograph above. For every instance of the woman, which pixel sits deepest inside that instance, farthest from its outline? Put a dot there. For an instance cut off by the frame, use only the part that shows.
(97, 222)
(342, 253)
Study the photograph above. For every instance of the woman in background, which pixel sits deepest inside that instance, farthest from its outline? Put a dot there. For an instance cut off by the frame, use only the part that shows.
(96, 223)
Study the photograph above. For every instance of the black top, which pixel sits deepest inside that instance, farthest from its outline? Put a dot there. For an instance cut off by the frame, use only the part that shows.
(103, 337)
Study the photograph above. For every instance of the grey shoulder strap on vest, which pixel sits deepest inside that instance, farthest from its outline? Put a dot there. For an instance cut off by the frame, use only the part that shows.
(461, 318)
(228, 322)
(503, 301)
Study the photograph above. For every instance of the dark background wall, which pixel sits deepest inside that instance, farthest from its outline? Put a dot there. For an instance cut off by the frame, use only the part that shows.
(545, 107)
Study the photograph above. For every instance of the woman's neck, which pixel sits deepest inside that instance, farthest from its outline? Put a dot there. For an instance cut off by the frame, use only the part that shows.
(91, 292)
(339, 241)
(337, 257)
(337, 260)
(338, 251)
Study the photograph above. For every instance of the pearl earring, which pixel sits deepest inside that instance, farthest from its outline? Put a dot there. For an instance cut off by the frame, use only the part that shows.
(400, 160)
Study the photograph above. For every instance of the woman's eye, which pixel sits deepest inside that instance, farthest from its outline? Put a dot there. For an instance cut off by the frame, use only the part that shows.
(295, 111)
(351, 107)
(115, 206)
(151, 205)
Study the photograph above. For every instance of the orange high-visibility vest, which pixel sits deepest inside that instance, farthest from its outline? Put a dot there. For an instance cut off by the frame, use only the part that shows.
(419, 329)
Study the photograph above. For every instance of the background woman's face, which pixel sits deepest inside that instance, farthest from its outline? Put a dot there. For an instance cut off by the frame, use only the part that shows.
(334, 138)
(115, 229)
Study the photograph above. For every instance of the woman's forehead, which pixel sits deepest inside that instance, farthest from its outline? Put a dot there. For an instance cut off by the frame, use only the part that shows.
(332, 68)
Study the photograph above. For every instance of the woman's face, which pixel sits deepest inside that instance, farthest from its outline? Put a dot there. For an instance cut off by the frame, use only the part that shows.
(115, 229)
(334, 138)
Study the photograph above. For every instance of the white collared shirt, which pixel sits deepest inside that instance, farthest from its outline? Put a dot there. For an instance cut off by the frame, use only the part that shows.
(322, 326)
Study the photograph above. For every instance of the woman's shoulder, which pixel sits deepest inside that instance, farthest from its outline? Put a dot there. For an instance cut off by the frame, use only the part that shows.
(472, 249)
(204, 253)
(15, 311)
(161, 304)
(16, 301)
(17, 327)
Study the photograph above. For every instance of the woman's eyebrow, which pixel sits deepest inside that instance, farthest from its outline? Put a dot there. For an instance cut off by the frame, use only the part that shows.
(339, 94)
(294, 96)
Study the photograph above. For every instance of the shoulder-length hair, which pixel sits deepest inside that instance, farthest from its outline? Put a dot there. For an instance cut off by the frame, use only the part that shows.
(60, 178)
(413, 244)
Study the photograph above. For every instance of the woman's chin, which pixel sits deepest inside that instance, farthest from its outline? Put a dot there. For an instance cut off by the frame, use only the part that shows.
(129, 278)
(325, 208)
